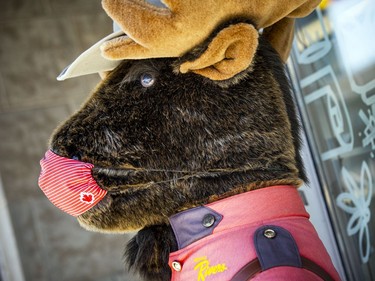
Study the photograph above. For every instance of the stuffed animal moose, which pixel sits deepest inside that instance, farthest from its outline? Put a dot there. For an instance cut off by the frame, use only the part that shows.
(193, 140)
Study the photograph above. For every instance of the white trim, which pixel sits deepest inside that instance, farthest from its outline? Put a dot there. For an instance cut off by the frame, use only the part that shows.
(10, 264)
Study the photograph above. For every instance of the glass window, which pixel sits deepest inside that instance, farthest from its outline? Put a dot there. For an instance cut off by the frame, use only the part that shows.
(332, 67)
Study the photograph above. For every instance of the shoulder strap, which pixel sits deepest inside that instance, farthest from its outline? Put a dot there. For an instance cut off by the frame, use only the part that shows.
(275, 246)
(252, 268)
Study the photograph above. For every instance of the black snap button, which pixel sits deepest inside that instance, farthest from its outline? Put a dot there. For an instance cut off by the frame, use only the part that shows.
(208, 220)
(269, 233)
(176, 265)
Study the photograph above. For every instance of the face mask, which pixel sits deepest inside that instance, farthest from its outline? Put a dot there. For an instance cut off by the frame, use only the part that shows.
(69, 184)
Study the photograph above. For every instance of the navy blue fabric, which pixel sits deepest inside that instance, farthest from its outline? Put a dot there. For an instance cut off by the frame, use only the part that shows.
(281, 250)
(188, 225)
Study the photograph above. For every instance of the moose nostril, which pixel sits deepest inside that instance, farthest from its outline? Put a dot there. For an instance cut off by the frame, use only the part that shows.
(77, 157)
(54, 151)
(72, 155)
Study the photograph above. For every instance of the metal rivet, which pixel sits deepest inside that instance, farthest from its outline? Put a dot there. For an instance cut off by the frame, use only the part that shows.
(208, 220)
(176, 266)
(269, 233)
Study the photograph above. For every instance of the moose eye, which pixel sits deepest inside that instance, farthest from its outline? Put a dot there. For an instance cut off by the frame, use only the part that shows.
(147, 80)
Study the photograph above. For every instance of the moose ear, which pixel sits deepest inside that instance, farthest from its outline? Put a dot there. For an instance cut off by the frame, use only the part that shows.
(231, 51)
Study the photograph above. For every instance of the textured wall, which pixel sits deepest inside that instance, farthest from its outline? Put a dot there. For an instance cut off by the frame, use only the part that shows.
(38, 39)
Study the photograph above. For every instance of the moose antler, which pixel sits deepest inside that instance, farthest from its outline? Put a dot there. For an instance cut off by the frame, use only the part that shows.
(172, 31)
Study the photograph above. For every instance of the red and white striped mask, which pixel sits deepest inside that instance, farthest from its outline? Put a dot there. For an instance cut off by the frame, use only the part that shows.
(69, 184)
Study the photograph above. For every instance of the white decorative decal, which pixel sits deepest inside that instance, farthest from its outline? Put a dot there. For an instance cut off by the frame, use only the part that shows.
(356, 202)
(339, 118)
(313, 48)
(332, 67)
(369, 132)
(354, 21)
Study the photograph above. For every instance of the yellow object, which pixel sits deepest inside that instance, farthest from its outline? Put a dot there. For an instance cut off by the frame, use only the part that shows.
(324, 4)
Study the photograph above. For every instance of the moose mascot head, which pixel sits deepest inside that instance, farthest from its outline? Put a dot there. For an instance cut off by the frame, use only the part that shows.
(192, 140)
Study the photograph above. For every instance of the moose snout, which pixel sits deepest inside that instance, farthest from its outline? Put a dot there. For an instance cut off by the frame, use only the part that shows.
(68, 184)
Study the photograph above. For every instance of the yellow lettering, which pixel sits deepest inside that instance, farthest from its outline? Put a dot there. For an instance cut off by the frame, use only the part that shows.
(204, 269)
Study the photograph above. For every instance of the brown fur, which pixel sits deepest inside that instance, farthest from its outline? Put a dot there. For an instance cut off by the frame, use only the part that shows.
(180, 143)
